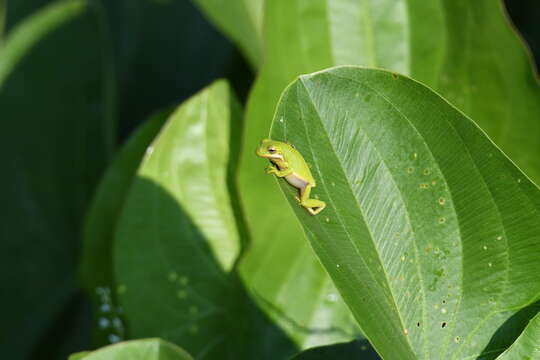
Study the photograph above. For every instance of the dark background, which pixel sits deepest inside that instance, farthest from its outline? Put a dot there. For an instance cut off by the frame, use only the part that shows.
(161, 55)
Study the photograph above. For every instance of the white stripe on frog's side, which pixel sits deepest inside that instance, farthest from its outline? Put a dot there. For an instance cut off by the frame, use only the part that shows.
(296, 181)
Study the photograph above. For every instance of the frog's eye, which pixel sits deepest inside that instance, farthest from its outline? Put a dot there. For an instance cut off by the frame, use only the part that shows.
(271, 149)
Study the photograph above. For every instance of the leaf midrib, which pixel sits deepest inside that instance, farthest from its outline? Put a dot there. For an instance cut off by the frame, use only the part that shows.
(495, 206)
(417, 262)
(485, 185)
(342, 222)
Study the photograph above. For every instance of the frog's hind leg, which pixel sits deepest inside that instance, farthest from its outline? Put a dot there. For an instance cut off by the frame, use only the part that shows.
(313, 206)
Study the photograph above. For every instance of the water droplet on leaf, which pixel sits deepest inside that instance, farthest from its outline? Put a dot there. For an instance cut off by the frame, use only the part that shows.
(113, 338)
(103, 323)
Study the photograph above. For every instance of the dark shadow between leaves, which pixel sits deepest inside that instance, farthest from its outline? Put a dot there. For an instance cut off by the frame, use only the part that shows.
(508, 332)
(354, 350)
(55, 141)
(72, 325)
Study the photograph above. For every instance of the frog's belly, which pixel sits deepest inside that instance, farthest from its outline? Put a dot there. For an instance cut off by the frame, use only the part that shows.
(295, 181)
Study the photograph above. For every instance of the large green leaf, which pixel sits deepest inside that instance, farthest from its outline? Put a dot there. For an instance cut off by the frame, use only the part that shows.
(145, 349)
(242, 21)
(177, 240)
(431, 234)
(421, 38)
(96, 266)
(160, 253)
(56, 137)
(296, 41)
(527, 345)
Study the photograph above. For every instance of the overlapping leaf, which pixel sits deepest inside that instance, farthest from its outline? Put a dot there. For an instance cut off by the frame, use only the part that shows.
(279, 254)
(145, 349)
(527, 346)
(177, 240)
(431, 233)
(160, 253)
(479, 64)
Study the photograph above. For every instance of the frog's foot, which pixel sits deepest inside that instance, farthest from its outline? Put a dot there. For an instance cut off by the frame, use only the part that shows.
(313, 206)
(314, 211)
(298, 199)
(271, 170)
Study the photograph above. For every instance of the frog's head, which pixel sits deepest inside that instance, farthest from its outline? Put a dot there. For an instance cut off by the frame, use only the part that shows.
(270, 149)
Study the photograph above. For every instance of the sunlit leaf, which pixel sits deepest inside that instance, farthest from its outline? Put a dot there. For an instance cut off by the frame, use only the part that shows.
(79, 355)
(464, 49)
(160, 253)
(431, 233)
(177, 240)
(146, 349)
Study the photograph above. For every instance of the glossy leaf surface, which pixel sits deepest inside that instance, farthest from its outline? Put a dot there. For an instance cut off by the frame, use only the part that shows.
(242, 21)
(279, 255)
(419, 38)
(160, 252)
(56, 137)
(145, 349)
(177, 240)
(431, 233)
(527, 345)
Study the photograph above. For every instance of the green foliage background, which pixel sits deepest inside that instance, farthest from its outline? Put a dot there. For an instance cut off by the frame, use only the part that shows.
(118, 141)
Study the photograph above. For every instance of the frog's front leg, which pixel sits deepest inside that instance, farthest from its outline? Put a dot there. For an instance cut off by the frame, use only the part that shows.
(313, 206)
(272, 169)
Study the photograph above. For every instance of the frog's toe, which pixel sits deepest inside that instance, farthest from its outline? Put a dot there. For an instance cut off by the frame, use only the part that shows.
(314, 206)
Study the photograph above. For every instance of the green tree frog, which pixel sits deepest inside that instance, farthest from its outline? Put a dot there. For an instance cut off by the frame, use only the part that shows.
(286, 162)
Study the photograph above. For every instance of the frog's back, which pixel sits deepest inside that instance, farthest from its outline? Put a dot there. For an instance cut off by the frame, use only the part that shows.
(297, 161)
